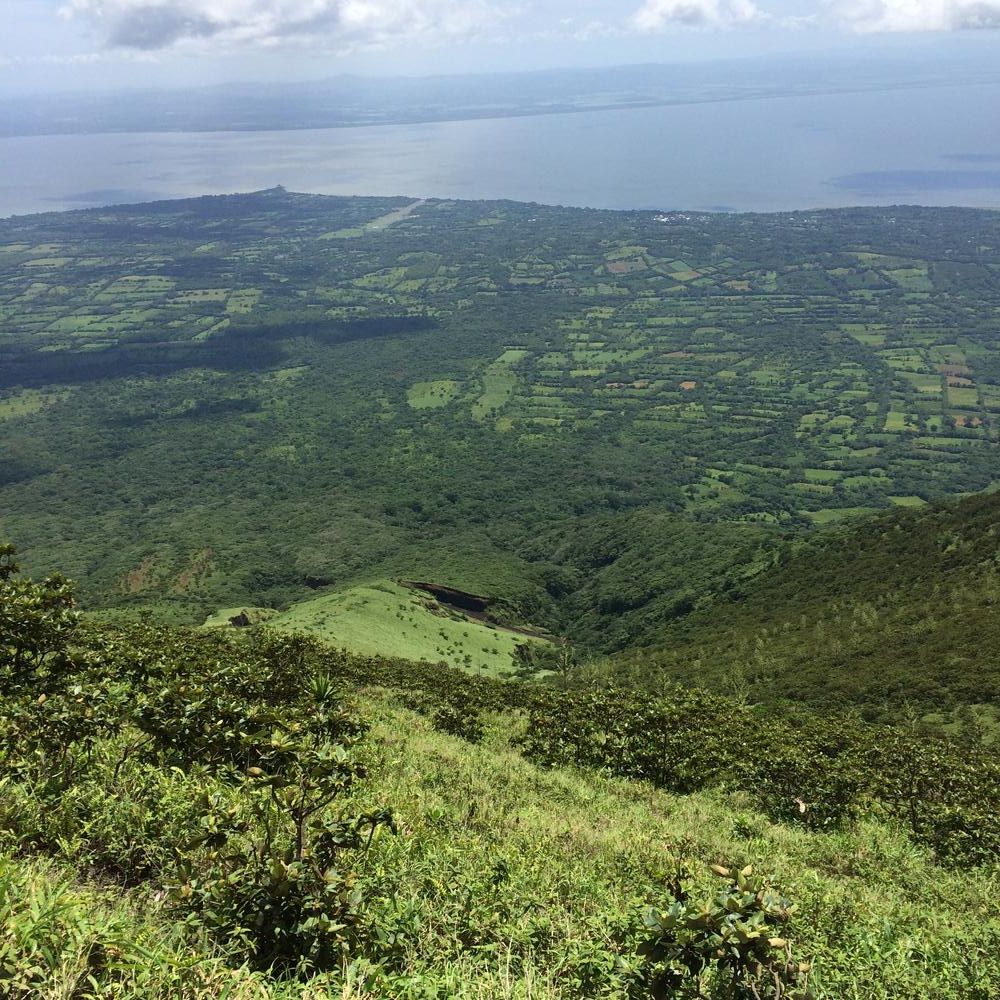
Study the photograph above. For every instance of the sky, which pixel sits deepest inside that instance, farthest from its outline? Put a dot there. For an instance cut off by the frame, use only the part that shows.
(97, 45)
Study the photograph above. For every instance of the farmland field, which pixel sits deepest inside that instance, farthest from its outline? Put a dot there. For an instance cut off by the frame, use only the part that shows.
(251, 398)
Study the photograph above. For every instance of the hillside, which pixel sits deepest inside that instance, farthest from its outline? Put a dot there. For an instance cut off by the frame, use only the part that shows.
(261, 399)
(527, 896)
(891, 613)
(205, 814)
(385, 618)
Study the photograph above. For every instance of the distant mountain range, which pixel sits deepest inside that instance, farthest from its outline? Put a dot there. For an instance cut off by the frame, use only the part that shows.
(350, 100)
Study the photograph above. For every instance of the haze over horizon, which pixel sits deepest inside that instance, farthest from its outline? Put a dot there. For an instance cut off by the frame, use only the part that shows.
(112, 45)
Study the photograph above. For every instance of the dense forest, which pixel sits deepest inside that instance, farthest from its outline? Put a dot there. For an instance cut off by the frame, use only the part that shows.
(890, 615)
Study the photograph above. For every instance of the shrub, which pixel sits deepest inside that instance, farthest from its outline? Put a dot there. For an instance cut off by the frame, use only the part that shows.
(727, 948)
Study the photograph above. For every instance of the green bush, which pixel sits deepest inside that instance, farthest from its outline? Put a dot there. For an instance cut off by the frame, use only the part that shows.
(731, 947)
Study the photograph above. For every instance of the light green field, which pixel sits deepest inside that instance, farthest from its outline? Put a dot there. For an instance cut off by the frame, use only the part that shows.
(243, 300)
(388, 277)
(896, 420)
(934, 441)
(914, 279)
(48, 262)
(134, 284)
(20, 404)
(222, 617)
(830, 514)
(391, 218)
(386, 619)
(962, 397)
(499, 383)
(72, 324)
(922, 382)
(289, 374)
(429, 395)
(512, 355)
(623, 253)
(212, 330)
(498, 387)
(863, 480)
(202, 295)
(382, 222)
(822, 475)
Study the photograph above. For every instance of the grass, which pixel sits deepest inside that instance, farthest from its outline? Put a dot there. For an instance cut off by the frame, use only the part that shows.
(387, 619)
(374, 225)
(922, 382)
(499, 383)
(430, 395)
(498, 387)
(830, 514)
(56, 933)
(48, 262)
(27, 401)
(578, 851)
(222, 617)
(962, 397)
(896, 420)
(243, 300)
(822, 475)
(914, 279)
(391, 218)
(935, 441)
(507, 881)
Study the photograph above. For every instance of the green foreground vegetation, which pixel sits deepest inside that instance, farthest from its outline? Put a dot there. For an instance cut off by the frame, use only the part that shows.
(255, 815)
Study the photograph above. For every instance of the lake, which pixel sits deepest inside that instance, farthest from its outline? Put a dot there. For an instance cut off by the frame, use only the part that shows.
(931, 146)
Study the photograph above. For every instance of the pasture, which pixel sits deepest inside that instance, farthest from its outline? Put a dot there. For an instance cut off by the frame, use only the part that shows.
(385, 618)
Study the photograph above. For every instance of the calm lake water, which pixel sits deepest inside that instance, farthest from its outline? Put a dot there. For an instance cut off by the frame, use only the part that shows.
(936, 146)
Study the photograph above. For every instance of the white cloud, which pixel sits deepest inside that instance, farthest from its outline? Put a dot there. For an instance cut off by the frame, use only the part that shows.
(917, 15)
(655, 15)
(160, 24)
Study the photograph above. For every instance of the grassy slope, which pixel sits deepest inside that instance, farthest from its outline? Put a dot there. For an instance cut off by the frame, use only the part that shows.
(386, 619)
(892, 610)
(537, 867)
(581, 850)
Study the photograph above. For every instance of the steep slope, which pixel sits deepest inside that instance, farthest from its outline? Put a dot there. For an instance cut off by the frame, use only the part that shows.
(510, 880)
(617, 580)
(190, 813)
(894, 610)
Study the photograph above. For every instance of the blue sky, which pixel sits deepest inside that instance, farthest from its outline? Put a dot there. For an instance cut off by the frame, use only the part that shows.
(51, 45)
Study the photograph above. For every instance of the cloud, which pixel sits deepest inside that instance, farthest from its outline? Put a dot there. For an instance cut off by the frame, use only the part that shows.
(160, 24)
(871, 16)
(655, 15)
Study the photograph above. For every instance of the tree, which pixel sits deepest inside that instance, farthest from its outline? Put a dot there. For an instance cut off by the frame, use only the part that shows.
(37, 620)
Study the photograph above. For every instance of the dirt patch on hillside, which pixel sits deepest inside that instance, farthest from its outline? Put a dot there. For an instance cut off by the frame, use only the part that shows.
(447, 601)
